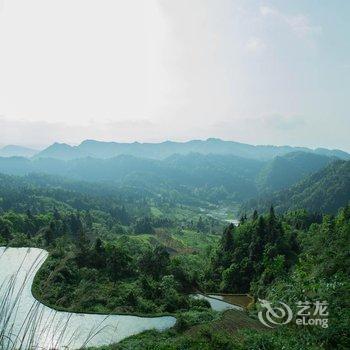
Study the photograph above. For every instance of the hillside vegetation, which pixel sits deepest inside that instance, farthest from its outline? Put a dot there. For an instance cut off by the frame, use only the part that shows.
(141, 236)
(212, 178)
(325, 191)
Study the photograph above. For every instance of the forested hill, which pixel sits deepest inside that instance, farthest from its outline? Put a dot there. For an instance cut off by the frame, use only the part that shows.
(282, 172)
(41, 193)
(98, 149)
(325, 191)
(214, 178)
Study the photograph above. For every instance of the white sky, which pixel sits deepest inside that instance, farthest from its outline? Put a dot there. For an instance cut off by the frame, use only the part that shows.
(149, 70)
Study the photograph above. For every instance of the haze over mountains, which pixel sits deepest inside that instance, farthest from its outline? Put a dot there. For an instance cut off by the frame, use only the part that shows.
(213, 171)
(17, 151)
(99, 149)
(213, 177)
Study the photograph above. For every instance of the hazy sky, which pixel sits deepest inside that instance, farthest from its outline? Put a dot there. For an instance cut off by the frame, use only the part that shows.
(262, 72)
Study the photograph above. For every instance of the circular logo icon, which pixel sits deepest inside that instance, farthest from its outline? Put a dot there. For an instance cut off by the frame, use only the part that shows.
(271, 316)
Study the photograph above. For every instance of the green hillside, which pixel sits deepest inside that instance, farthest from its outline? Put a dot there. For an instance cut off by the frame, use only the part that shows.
(282, 172)
(325, 191)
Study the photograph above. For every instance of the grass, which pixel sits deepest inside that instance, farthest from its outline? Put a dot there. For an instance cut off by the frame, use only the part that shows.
(196, 240)
(184, 242)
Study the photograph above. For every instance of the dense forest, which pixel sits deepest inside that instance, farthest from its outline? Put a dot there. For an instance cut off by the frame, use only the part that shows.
(141, 236)
(324, 191)
(293, 257)
(214, 178)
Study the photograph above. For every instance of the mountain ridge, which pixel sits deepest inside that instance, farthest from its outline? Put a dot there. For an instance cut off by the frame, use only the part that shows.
(220, 176)
(17, 151)
(162, 150)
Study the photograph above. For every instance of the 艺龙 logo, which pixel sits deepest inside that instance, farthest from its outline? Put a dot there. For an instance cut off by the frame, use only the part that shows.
(277, 315)
(308, 313)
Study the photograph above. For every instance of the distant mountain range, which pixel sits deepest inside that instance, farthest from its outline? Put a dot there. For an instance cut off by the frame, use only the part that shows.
(17, 151)
(104, 150)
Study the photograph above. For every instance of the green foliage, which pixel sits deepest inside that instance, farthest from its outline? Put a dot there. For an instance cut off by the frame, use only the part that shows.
(143, 225)
(254, 253)
(105, 277)
(284, 171)
(143, 249)
(322, 192)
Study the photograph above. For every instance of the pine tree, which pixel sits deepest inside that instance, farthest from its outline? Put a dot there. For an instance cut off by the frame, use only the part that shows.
(256, 247)
(75, 224)
(272, 229)
(30, 224)
(82, 249)
(227, 239)
(200, 225)
(272, 215)
(227, 245)
(99, 253)
(243, 219)
(88, 219)
(56, 214)
(49, 235)
(29, 215)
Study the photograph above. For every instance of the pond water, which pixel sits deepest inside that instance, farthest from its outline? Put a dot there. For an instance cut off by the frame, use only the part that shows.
(24, 320)
(233, 221)
(237, 299)
(30, 323)
(217, 303)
